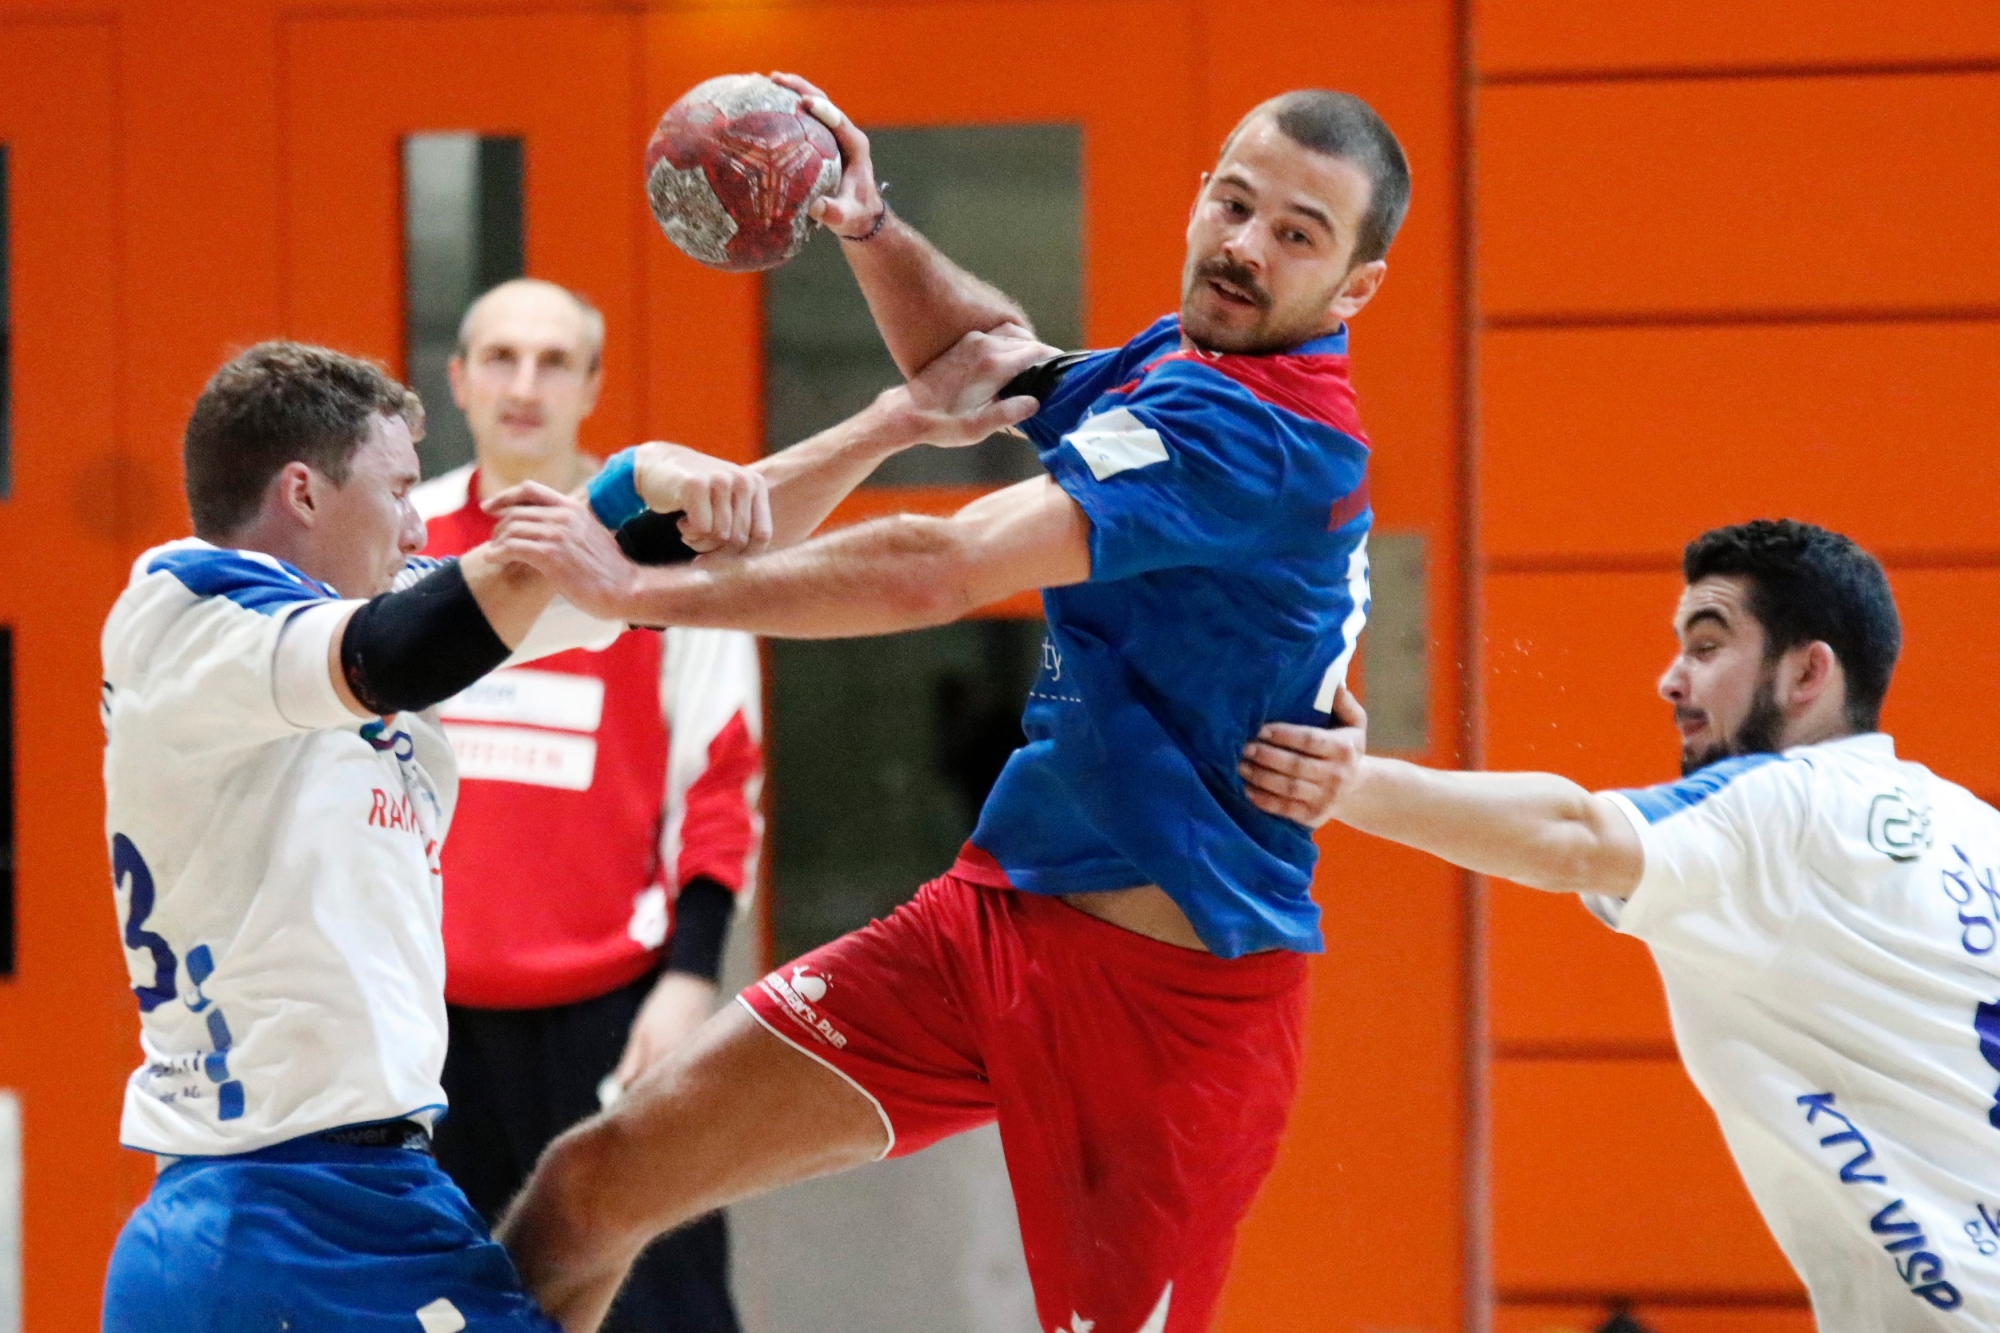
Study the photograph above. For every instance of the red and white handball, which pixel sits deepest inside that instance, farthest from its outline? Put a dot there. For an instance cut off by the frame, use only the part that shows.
(732, 169)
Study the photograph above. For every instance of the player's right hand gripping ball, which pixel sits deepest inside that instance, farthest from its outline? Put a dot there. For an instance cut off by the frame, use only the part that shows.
(732, 169)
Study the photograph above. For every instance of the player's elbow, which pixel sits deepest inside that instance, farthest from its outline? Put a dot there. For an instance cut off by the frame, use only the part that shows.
(1568, 867)
(567, 1221)
(935, 563)
(1579, 858)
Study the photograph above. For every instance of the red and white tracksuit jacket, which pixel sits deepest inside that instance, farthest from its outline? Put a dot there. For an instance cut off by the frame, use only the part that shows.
(594, 786)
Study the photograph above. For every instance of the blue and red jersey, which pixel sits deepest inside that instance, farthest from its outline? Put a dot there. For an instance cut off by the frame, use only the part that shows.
(1228, 504)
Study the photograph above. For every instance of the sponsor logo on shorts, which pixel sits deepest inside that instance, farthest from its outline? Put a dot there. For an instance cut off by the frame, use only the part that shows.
(798, 993)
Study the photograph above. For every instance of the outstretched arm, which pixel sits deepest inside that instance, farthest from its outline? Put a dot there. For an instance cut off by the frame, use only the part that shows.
(950, 404)
(899, 573)
(782, 499)
(1536, 829)
(413, 648)
(921, 301)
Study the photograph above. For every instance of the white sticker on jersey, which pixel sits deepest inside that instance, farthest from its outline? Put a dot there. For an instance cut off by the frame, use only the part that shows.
(440, 1316)
(534, 698)
(1116, 441)
(515, 754)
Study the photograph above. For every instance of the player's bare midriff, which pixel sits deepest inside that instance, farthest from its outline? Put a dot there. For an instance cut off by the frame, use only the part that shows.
(1145, 910)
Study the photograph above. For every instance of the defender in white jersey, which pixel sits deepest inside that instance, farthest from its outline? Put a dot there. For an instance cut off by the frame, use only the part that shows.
(275, 795)
(1826, 917)
(276, 792)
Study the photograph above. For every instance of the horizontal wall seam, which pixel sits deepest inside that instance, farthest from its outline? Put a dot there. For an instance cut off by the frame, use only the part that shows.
(1654, 319)
(1584, 1050)
(1893, 559)
(1702, 73)
(1677, 1298)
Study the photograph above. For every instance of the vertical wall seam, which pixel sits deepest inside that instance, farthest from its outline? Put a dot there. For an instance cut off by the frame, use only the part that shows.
(1476, 1169)
(125, 466)
(641, 335)
(281, 69)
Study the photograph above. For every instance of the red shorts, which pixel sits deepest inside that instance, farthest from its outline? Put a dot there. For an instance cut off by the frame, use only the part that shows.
(1141, 1088)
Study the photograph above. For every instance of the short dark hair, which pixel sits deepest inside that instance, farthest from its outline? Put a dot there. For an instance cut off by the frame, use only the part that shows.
(279, 403)
(1806, 585)
(1342, 125)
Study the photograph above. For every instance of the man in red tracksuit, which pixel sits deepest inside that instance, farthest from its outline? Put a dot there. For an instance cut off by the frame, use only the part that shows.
(607, 819)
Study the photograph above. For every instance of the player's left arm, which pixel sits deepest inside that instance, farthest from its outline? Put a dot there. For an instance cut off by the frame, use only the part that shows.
(922, 302)
(780, 500)
(1536, 829)
(906, 572)
(412, 648)
(950, 405)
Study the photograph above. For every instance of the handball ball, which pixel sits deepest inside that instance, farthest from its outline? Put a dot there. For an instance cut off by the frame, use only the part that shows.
(732, 169)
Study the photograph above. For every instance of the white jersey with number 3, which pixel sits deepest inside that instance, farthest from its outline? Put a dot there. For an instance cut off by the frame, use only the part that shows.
(274, 859)
(1827, 924)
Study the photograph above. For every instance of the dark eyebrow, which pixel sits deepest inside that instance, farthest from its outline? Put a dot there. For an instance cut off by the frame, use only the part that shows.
(1318, 215)
(1706, 613)
(1315, 214)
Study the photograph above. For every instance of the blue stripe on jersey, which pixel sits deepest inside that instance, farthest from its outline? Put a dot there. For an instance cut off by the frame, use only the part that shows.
(1670, 798)
(265, 585)
(419, 567)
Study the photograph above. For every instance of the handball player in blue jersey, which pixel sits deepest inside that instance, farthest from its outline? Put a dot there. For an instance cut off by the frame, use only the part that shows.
(1114, 969)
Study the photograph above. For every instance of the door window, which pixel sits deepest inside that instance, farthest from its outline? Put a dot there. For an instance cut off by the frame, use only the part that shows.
(462, 233)
(1006, 202)
(884, 749)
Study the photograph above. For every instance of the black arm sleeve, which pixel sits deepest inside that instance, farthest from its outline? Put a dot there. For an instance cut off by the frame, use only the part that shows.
(407, 650)
(1039, 380)
(655, 539)
(701, 925)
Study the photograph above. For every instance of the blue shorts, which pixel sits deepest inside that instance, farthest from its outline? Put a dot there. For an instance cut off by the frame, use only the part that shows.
(312, 1235)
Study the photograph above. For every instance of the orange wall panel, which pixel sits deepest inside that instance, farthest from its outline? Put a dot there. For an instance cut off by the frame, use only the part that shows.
(1570, 665)
(1738, 194)
(1611, 1176)
(1377, 1131)
(68, 1023)
(1519, 37)
(1938, 709)
(563, 82)
(1660, 1319)
(199, 149)
(1627, 442)
(1561, 982)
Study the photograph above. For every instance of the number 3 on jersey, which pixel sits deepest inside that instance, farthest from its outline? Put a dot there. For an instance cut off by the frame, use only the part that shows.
(134, 882)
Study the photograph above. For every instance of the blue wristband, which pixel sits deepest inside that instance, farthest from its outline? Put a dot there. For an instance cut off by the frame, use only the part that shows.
(613, 496)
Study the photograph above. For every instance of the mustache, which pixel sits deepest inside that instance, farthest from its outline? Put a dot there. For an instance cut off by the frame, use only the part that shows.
(1236, 275)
